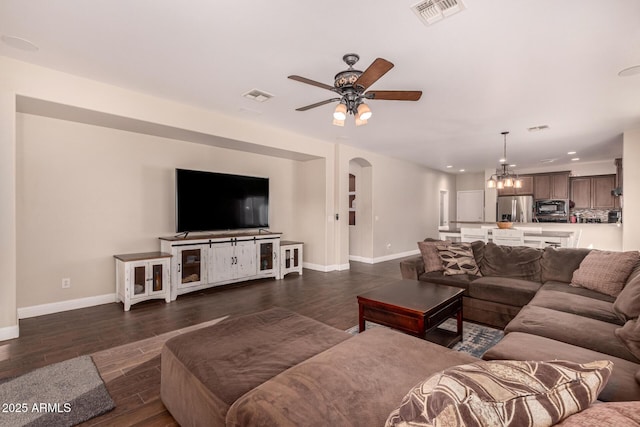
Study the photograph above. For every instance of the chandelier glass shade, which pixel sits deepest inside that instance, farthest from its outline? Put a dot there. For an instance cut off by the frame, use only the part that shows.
(504, 178)
(356, 107)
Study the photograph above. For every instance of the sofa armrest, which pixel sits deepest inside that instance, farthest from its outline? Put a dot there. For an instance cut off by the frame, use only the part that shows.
(412, 268)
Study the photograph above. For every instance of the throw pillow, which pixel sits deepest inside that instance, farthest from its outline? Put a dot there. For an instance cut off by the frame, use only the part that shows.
(457, 258)
(503, 393)
(629, 334)
(627, 304)
(432, 261)
(605, 271)
(617, 414)
(516, 262)
(558, 264)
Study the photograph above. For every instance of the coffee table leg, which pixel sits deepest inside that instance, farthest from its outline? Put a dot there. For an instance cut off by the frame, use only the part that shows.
(361, 325)
(459, 319)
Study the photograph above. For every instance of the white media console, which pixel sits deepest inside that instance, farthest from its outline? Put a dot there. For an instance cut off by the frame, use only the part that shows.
(204, 261)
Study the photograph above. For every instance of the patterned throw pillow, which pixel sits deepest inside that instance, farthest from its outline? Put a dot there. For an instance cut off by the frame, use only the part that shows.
(457, 258)
(503, 393)
(432, 261)
(605, 271)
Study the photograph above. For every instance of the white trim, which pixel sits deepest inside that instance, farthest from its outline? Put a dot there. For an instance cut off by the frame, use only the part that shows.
(56, 307)
(360, 259)
(396, 256)
(325, 268)
(9, 332)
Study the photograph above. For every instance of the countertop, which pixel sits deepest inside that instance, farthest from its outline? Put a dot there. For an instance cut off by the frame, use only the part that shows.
(545, 233)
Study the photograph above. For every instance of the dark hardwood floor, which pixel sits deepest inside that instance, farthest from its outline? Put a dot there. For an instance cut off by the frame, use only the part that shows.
(327, 297)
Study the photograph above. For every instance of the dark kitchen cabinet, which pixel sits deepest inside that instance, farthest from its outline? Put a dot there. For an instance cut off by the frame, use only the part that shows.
(593, 192)
(551, 185)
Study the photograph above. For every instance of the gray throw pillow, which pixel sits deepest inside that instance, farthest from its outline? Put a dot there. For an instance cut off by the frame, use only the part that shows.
(605, 271)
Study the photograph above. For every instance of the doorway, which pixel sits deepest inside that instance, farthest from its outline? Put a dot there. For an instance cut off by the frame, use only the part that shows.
(360, 210)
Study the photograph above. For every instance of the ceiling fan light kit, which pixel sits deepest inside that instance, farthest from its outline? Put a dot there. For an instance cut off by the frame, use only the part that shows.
(351, 85)
(504, 178)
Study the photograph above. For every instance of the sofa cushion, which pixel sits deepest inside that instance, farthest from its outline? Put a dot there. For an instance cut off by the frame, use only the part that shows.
(619, 414)
(505, 392)
(576, 304)
(203, 372)
(517, 262)
(458, 258)
(558, 264)
(572, 329)
(514, 292)
(457, 280)
(572, 290)
(629, 334)
(429, 252)
(521, 346)
(627, 304)
(356, 383)
(605, 271)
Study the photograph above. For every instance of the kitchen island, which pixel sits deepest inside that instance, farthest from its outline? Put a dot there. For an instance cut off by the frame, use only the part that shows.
(604, 236)
(560, 239)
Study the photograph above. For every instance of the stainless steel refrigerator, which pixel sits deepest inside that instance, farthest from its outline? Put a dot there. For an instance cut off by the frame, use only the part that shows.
(515, 208)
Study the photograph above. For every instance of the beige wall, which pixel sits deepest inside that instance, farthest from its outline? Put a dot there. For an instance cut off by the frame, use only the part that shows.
(404, 203)
(8, 314)
(470, 181)
(631, 190)
(86, 193)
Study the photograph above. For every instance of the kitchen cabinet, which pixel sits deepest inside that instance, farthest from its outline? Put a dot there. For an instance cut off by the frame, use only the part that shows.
(551, 186)
(601, 189)
(525, 190)
(593, 192)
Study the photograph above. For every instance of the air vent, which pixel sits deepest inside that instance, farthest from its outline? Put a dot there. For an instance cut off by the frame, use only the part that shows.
(538, 128)
(432, 11)
(258, 95)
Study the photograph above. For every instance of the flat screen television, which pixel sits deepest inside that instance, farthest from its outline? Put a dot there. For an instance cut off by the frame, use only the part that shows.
(210, 201)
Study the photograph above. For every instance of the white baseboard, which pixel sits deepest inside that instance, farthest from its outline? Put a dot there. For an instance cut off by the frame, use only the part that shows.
(383, 258)
(325, 268)
(9, 332)
(56, 307)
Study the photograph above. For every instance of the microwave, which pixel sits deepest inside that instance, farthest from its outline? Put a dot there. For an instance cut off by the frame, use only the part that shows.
(552, 207)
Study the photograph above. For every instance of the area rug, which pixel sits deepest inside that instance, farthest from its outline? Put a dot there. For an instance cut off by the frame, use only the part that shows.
(62, 394)
(476, 339)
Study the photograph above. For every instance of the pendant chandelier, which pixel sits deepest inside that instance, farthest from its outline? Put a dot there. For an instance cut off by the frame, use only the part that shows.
(504, 178)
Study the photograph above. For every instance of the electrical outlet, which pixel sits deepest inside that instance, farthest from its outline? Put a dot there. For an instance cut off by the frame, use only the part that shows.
(66, 283)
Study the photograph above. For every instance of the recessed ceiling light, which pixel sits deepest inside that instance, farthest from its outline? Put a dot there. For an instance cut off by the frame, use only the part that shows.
(575, 159)
(19, 43)
(513, 165)
(571, 152)
(461, 170)
(630, 71)
(449, 166)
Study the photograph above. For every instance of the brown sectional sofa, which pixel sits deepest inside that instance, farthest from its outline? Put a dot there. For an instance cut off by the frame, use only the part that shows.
(278, 368)
(528, 292)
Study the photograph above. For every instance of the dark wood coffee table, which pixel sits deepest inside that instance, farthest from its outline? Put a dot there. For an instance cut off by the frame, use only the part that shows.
(414, 307)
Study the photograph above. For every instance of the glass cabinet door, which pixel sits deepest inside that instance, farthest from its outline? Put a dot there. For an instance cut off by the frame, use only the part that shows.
(266, 256)
(191, 265)
(139, 280)
(157, 277)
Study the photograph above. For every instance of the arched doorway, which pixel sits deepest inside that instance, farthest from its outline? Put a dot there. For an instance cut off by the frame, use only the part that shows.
(360, 210)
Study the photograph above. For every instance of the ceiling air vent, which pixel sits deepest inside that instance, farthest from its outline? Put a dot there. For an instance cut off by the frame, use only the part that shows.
(432, 11)
(258, 95)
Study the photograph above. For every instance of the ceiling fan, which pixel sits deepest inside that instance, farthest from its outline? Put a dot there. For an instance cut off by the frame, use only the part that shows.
(351, 84)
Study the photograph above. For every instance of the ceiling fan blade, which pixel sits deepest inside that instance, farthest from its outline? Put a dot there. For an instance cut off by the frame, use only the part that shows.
(377, 69)
(317, 104)
(311, 82)
(394, 95)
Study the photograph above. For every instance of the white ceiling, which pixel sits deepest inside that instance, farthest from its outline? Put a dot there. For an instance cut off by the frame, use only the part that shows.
(498, 65)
